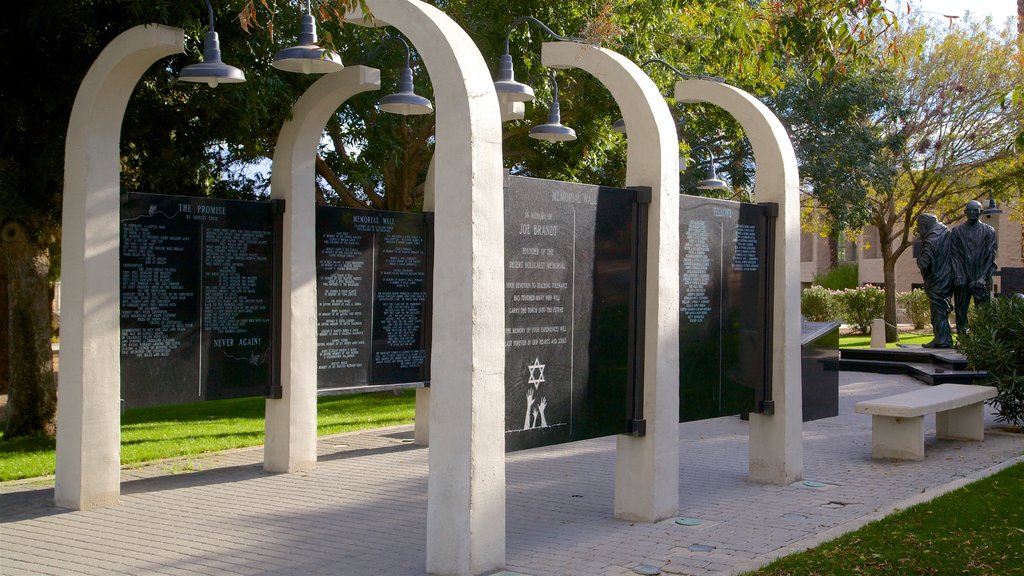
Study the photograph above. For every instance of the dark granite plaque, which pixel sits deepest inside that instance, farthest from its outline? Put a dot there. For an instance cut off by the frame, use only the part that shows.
(567, 283)
(372, 299)
(819, 369)
(196, 298)
(722, 312)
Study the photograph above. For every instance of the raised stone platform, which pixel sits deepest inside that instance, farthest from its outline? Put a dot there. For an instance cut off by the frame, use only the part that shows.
(931, 366)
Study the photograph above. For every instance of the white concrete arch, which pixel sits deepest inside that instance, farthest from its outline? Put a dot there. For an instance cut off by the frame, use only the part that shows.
(290, 439)
(646, 467)
(776, 443)
(88, 406)
(466, 486)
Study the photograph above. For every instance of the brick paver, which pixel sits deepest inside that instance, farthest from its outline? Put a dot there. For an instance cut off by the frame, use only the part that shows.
(362, 511)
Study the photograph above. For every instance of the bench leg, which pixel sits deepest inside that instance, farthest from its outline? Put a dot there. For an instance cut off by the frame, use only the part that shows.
(967, 423)
(901, 438)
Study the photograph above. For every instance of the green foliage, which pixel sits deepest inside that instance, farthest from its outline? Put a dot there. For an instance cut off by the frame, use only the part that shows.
(818, 304)
(916, 307)
(843, 153)
(189, 429)
(973, 530)
(842, 277)
(995, 343)
(859, 306)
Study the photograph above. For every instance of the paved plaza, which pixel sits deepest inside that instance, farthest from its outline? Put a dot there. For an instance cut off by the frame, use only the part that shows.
(363, 510)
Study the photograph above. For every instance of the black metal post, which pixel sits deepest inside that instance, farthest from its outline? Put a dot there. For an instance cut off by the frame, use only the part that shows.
(275, 391)
(771, 211)
(637, 425)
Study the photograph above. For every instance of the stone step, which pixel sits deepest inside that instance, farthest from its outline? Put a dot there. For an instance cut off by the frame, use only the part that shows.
(925, 372)
(948, 358)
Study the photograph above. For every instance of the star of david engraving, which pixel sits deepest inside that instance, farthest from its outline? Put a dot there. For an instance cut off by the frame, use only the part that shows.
(536, 373)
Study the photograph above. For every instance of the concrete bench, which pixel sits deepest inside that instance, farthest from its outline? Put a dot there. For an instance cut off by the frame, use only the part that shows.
(897, 422)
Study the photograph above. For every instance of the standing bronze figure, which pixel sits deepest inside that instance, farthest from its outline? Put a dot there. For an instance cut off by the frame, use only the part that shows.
(937, 271)
(974, 247)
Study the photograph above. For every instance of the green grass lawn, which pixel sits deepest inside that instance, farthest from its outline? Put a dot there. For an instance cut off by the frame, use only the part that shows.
(189, 429)
(864, 340)
(978, 529)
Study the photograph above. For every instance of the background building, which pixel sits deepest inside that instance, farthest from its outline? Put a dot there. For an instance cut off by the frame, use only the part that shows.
(866, 252)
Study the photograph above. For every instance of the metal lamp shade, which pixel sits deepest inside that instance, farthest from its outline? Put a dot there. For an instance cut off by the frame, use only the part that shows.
(553, 133)
(405, 102)
(310, 59)
(553, 130)
(211, 70)
(307, 57)
(619, 126)
(506, 86)
(712, 182)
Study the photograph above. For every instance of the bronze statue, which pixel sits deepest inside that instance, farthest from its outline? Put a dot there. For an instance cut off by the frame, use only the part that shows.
(974, 247)
(937, 271)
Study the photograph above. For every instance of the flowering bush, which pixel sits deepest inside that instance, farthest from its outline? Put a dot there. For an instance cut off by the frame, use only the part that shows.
(916, 307)
(859, 306)
(818, 304)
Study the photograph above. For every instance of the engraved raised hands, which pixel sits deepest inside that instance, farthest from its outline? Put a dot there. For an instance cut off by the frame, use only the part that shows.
(529, 406)
(540, 409)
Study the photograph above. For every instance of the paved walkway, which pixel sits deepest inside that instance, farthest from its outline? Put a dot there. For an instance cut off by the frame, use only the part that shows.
(363, 510)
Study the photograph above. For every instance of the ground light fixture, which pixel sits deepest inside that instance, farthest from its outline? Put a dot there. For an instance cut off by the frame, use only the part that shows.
(405, 102)
(553, 130)
(712, 181)
(620, 124)
(508, 89)
(307, 57)
(211, 70)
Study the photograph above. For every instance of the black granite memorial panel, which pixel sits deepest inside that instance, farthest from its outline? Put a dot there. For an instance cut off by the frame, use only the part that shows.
(196, 298)
(819, 369)
(723, 301)
(567, 302)
(372, 300)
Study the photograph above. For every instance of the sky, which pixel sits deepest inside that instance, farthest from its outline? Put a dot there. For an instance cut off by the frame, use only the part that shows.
(1000, 10)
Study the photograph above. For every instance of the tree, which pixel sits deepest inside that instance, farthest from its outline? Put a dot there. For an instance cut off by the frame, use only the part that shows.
(842, 150)
(958, 127)
(165, 149)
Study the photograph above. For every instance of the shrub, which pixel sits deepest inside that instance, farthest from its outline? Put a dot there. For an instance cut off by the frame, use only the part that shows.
(842, 277)
(818, 304)
(859, 306)
(916, 307)
(995, 343)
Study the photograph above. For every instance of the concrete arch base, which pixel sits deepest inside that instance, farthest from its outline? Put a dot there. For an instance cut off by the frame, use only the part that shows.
(646, 467)
(466, 486)
(290, 438)
(88, 406)
(776, 441)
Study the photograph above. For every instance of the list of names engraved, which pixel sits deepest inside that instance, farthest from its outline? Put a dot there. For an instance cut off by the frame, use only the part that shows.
(696, 304)
(746, 259)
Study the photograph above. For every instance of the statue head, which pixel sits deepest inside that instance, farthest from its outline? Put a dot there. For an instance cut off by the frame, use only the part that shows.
(973, 211)
(925, 222)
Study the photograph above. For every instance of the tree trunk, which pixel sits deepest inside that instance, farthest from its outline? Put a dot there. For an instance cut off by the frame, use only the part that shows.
(889, 274)
(5, 332)
(833, 251)
(32, 394)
